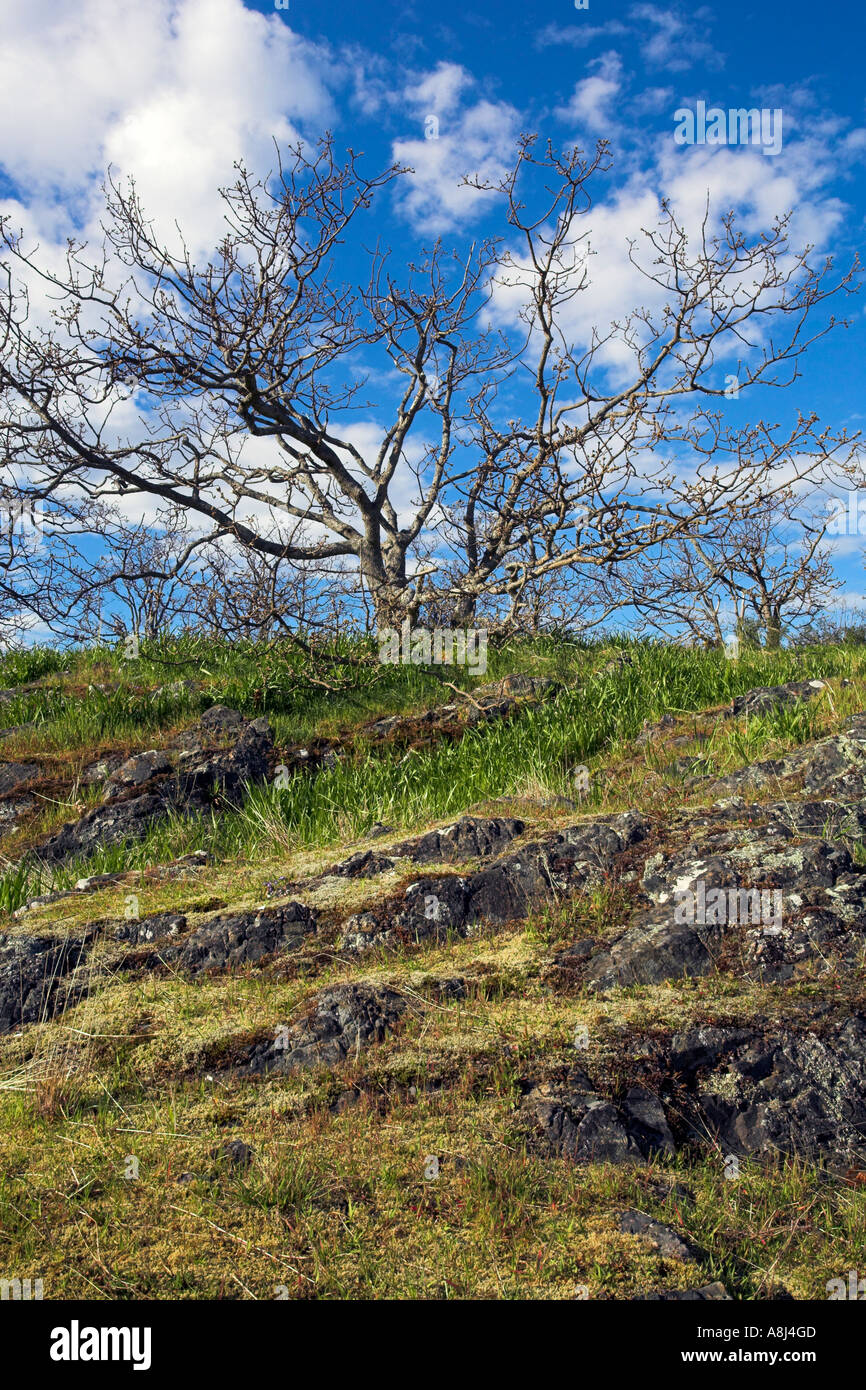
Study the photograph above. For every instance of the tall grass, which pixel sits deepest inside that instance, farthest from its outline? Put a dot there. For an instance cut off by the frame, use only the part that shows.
(180, 677)
(31, 664)
(533, 753)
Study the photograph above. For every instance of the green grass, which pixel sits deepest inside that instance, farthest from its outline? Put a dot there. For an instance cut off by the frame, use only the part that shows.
(533, 754)
(256, 678)
(336, 1205)
(31, 664)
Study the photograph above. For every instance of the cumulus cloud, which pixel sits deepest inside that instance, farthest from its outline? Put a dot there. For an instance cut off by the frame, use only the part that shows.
(590, 105)
(172, 92)
(692, 179)
(458, 138)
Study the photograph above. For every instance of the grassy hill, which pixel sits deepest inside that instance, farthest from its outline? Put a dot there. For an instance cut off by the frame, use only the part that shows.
(282, 1041)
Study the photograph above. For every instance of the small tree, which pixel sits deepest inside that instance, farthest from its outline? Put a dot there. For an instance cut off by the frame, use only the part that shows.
(761, 568)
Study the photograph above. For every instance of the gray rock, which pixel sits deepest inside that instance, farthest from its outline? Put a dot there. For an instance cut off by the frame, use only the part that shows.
(507, 890)
(496, 700)
(766, 697)
(202, 781)
(219, 719)
(136, 771)
(15, 775)
(619, 662)
(94, 882)
(175, 689)
(517, 685)
(32, 975)
(101, 769)
(577, 1121)
(650, 732)
(11, 811)
(822, 920)
(242, 938)
(137, 931)
(342, 1021)
(365, 864)
(734, 1091)
(113, 823)
(794, 1093)
(235, 1154)
(468, 838)
(664, 1239)
(834, 767)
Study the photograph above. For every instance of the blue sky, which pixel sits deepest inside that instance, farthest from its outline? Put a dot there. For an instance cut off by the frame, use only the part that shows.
(173, 90)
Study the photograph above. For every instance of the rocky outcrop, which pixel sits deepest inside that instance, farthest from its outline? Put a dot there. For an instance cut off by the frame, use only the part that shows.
(833, 767)
(732, 1091)
(33, 974)
(519, 686)
(12, 808)
(13, 805)
(137, 931)
(104, 825)
(101, 769)
(342, 1021)
(240, 939)
(468, 838)
(506, 891)
(576, 1120)
(209, 765)
(15, 775)
(769, 905)
(767, 697)
(136, 771)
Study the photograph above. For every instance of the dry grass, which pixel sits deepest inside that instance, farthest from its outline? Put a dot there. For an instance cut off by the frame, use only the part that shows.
(335, 1203)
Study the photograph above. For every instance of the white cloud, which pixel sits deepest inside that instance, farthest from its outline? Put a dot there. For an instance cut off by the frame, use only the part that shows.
(675, 40)
(578, 35)
(589, 106)
(172, 92)
(690, 178)
(457, 140)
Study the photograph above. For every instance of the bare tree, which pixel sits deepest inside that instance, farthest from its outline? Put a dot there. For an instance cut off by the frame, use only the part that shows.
(46, 583)
(241, 593)
(246, 375)
(763, 565)
(141, 582)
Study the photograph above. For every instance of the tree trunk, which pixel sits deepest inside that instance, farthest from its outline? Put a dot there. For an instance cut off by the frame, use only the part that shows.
(385, 581)
(772, 630)
(464, 610)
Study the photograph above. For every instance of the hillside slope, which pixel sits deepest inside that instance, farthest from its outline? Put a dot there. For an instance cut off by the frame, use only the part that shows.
(552, 988)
